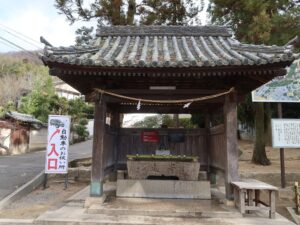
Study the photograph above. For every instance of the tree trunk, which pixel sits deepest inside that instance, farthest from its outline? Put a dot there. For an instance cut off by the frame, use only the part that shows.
(259, 153)
(268, 132)
(176, 120)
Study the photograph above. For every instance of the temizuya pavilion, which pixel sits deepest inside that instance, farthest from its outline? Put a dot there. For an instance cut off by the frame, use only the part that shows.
(166, 63)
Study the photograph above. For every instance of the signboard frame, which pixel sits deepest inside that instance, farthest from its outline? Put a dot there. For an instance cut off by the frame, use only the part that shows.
(51, 147)
(274, 145)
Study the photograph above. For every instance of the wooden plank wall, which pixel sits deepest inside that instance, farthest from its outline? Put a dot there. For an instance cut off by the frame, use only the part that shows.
(194, 144)
(217, 149)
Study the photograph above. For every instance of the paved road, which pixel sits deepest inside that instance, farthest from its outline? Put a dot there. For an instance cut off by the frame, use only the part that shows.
(19, 169)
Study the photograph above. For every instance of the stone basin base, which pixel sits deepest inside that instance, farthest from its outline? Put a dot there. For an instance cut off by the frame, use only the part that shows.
(163, 189)
(141, 170)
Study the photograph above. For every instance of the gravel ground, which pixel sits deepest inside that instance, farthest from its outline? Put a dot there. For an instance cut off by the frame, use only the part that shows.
(40, 200)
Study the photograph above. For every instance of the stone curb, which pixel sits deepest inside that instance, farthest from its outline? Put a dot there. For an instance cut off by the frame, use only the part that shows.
(16, 221)
(23, 190)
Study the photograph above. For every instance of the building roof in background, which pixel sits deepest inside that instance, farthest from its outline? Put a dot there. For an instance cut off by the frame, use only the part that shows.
(25, 118)
(166, 46)
(61, 86)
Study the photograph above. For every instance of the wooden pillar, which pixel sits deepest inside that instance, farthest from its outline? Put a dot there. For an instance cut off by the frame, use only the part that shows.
(208, 150)
(115, 120)
(97, 175)
(116, 124)
(231, 144)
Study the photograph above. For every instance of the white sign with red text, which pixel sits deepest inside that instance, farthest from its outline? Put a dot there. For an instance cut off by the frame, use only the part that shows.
(58, 144)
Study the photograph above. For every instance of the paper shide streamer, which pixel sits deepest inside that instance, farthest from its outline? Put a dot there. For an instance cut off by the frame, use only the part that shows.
(187, 105)
(138, 107)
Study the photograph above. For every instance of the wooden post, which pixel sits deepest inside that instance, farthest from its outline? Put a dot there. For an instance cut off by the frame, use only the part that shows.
(272, 204)
(231, 145)
(97, 175)
(207, 130)
(242, 200)
(297, 197)
(115, 120)
(116, 123)
(282, 166)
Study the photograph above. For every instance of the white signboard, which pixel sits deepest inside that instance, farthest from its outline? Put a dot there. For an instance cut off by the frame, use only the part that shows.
(58, 144)
(286, 133)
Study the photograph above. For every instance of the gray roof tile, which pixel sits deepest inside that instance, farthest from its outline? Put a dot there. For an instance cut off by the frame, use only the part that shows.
(23, 117)
(166, 46)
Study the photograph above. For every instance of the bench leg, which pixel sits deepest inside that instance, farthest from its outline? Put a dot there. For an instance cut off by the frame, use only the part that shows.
(242, 200)
(249, 199)
(235, 197)
(272, 204)
(257, 197)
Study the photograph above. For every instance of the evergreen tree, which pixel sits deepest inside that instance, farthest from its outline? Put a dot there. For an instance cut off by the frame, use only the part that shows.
(108, 12)
(256, 21)
(259, 22)
(128, 12)
(168, 12)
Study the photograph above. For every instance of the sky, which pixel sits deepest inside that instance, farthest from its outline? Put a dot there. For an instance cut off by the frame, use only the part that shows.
(35, 18)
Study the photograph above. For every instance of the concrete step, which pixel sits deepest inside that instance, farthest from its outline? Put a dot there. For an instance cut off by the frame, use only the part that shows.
(102, 209)
(103, 219)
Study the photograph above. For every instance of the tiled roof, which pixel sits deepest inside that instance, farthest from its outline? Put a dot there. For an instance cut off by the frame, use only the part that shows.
(166, 46)
(23, 117)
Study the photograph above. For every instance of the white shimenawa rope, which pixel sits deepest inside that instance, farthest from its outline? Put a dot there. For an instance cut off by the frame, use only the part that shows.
(187, 102)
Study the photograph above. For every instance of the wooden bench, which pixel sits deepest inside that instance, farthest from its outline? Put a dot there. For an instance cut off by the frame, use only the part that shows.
(247, 196)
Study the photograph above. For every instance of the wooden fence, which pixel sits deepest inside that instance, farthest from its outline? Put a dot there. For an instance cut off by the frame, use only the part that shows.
(209, 147)
(194, 143)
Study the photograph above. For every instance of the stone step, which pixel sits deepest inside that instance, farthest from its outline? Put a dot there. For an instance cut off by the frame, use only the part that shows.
(103, 219)
(100, 209)
(71, 215)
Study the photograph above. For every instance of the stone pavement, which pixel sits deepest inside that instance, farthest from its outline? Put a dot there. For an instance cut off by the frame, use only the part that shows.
(134, 211)
(17, 170)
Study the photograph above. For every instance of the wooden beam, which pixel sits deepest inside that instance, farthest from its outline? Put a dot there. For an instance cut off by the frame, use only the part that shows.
(57, 69)
(231, 145)
(97, 175)
(244, 79)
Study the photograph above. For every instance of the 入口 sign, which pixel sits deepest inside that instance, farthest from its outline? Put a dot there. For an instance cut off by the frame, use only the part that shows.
(58, 144)
(286, 133)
